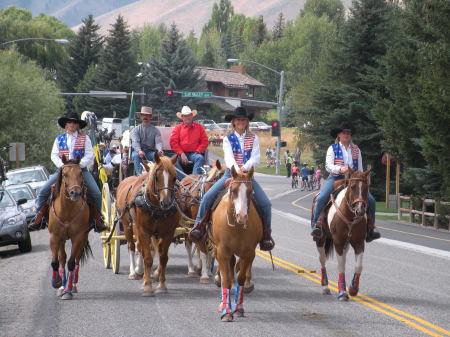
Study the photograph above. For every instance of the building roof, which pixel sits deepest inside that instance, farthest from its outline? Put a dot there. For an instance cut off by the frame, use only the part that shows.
(229, 78)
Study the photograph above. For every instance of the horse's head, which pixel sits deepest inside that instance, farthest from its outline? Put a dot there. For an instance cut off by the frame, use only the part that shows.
(216, 172)
(72, 178)
(358, 191)
(161, 180)
(240, 191)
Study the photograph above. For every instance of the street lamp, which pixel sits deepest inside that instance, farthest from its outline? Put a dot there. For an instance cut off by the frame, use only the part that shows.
(279, 107)
(62, 41)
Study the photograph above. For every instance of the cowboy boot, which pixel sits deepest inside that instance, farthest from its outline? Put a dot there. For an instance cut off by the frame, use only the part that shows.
(267, 243)
(315, 230)
(39, 222)
(96, 220)
(197, 232)
(372, 234)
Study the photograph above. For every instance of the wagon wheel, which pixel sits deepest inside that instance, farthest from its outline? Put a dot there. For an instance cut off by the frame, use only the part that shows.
(106, 213)
(115, 244)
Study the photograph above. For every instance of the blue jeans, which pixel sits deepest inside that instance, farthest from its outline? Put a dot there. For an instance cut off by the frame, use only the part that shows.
(324, 195)
(198, 160)
(89, 180)
(261, 198)
(149, 155)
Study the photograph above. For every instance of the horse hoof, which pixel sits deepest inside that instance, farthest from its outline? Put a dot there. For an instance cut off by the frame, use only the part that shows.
(353, 291)
(132, 277)
(204, 280)
(343, 297)
(74, 289)
(59, 291)
(162, 290)
(239, 313)
(326, 291)
(191, 274)
(227, 318)
(67, 296)
(198, 270)
(249, 289)
(57, 283)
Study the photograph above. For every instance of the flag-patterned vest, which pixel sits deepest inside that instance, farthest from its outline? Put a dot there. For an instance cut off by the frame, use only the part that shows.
(78, 148)
(240, 156)
(339, 156)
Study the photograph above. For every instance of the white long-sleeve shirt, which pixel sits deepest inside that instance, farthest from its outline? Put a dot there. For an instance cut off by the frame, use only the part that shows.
(87, 159)
(230, 161)
(348, 161)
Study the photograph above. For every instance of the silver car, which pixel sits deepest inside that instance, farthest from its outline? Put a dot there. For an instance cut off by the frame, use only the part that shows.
(24, 191)
(35, 176)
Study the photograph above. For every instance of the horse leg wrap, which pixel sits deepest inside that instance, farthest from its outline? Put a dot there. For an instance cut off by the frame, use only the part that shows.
(354, 287)
(324, 279)
(225, 306)
(341, 285)
(69, 287)
(62, 275)
(77, 269)
(238, 298)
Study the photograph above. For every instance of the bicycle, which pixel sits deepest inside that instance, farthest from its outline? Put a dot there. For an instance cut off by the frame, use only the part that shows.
(294, 181)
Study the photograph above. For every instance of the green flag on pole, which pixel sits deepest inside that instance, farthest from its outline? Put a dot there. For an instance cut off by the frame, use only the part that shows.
(131, 120)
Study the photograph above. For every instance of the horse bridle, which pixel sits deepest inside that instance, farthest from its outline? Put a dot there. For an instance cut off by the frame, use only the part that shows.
(233, 181)
(357, 200)
(155, 192)
(66, 188)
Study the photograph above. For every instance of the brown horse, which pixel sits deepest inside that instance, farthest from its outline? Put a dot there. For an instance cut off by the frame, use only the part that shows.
(346, 224)
(68, 219)
(148, 201)
(193, 187)
(236, 231)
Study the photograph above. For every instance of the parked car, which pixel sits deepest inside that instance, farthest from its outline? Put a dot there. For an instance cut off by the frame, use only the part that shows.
(259, 126)
(213, 127)
(24, 191)
(13, 223)
(225, 126)
(205, 122)
(35, 176)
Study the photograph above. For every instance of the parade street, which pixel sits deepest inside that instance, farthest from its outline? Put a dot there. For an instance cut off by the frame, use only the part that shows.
(404, 288)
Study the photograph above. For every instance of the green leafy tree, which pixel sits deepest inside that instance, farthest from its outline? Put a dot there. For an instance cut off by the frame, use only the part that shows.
(117, 71)
(173, 69)
(147, 41)
(29, 107)
(334, 9)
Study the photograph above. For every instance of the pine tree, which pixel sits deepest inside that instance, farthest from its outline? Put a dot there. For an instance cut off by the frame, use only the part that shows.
(117, 71)
(278, 29)
(173, 69)
(84, 51)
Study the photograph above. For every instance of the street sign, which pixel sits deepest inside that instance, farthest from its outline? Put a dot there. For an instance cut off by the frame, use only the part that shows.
(17, 151)
(198, 94)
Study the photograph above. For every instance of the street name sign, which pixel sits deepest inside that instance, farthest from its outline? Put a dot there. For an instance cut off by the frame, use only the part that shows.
(198, 94)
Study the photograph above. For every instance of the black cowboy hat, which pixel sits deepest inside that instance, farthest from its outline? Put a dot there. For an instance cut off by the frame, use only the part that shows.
(71, 116)
(239, 112)
(343, 127)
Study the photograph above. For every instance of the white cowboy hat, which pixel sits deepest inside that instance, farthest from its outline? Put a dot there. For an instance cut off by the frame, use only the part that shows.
(146, 110)
(186, 111)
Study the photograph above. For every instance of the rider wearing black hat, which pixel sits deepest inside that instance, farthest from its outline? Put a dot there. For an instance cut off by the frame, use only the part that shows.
(72, 143)
(340, 156)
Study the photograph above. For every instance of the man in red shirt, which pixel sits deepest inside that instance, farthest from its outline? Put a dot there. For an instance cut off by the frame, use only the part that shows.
(189, 141)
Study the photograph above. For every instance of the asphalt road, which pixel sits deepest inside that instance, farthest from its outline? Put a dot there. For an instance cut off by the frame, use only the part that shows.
(405, 288)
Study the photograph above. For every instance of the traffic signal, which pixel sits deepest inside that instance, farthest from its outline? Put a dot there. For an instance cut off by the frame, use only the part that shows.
(169, 93)
(276, 129)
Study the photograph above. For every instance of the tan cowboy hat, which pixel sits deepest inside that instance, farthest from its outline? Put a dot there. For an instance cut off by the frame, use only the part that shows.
(146, 110)
(186, 111)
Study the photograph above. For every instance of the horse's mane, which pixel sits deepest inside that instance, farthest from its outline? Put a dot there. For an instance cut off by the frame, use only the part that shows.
(164, 162)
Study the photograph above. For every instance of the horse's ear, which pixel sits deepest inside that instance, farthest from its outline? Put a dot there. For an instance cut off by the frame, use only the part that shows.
(218, 164)
(174, 159)
(233, 172)
(250, 173)
(156, 158)
(64, 159)
(367, 175)
(78, 159)
(146, 166)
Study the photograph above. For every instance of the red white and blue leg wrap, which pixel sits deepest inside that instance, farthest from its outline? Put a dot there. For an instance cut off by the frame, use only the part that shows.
(324, 280)
(225, 306)
(77, 269)
(355, 282)
(238, 298)
(62, 275)
(341, 284)
(69, 287)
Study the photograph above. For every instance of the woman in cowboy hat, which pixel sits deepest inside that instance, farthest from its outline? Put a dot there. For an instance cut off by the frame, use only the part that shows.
(242, 160)
(189, 141)
(340, 156)
(72, 143)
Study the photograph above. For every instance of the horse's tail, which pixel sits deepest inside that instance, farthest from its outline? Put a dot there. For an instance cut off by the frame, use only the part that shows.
(87, 252)
(329, 247)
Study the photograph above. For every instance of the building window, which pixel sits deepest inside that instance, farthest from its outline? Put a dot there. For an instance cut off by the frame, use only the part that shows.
(251, 92)
(233, 92)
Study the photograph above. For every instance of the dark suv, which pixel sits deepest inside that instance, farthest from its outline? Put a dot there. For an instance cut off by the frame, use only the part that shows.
(13, 223)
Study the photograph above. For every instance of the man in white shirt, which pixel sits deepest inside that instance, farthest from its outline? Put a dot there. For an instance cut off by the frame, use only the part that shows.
(71, 144)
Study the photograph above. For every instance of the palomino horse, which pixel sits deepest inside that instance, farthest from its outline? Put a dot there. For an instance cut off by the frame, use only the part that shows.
(68, 219)
(236, 231)
(148, 201)
(192, 189)
(346, 224)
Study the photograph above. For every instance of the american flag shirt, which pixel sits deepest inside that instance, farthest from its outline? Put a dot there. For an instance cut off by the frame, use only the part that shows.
(72, 145)
(241, 150)
(338, 156)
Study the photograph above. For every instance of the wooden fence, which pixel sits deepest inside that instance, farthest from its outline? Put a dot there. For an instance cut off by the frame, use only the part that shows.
(423, 213)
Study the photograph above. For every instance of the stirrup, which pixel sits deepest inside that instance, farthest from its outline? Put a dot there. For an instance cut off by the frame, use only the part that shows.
(267, 244)
(372, 235)
(316, 231)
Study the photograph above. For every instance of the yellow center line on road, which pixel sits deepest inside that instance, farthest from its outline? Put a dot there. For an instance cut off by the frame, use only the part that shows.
(294, 203)
(407, 319)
